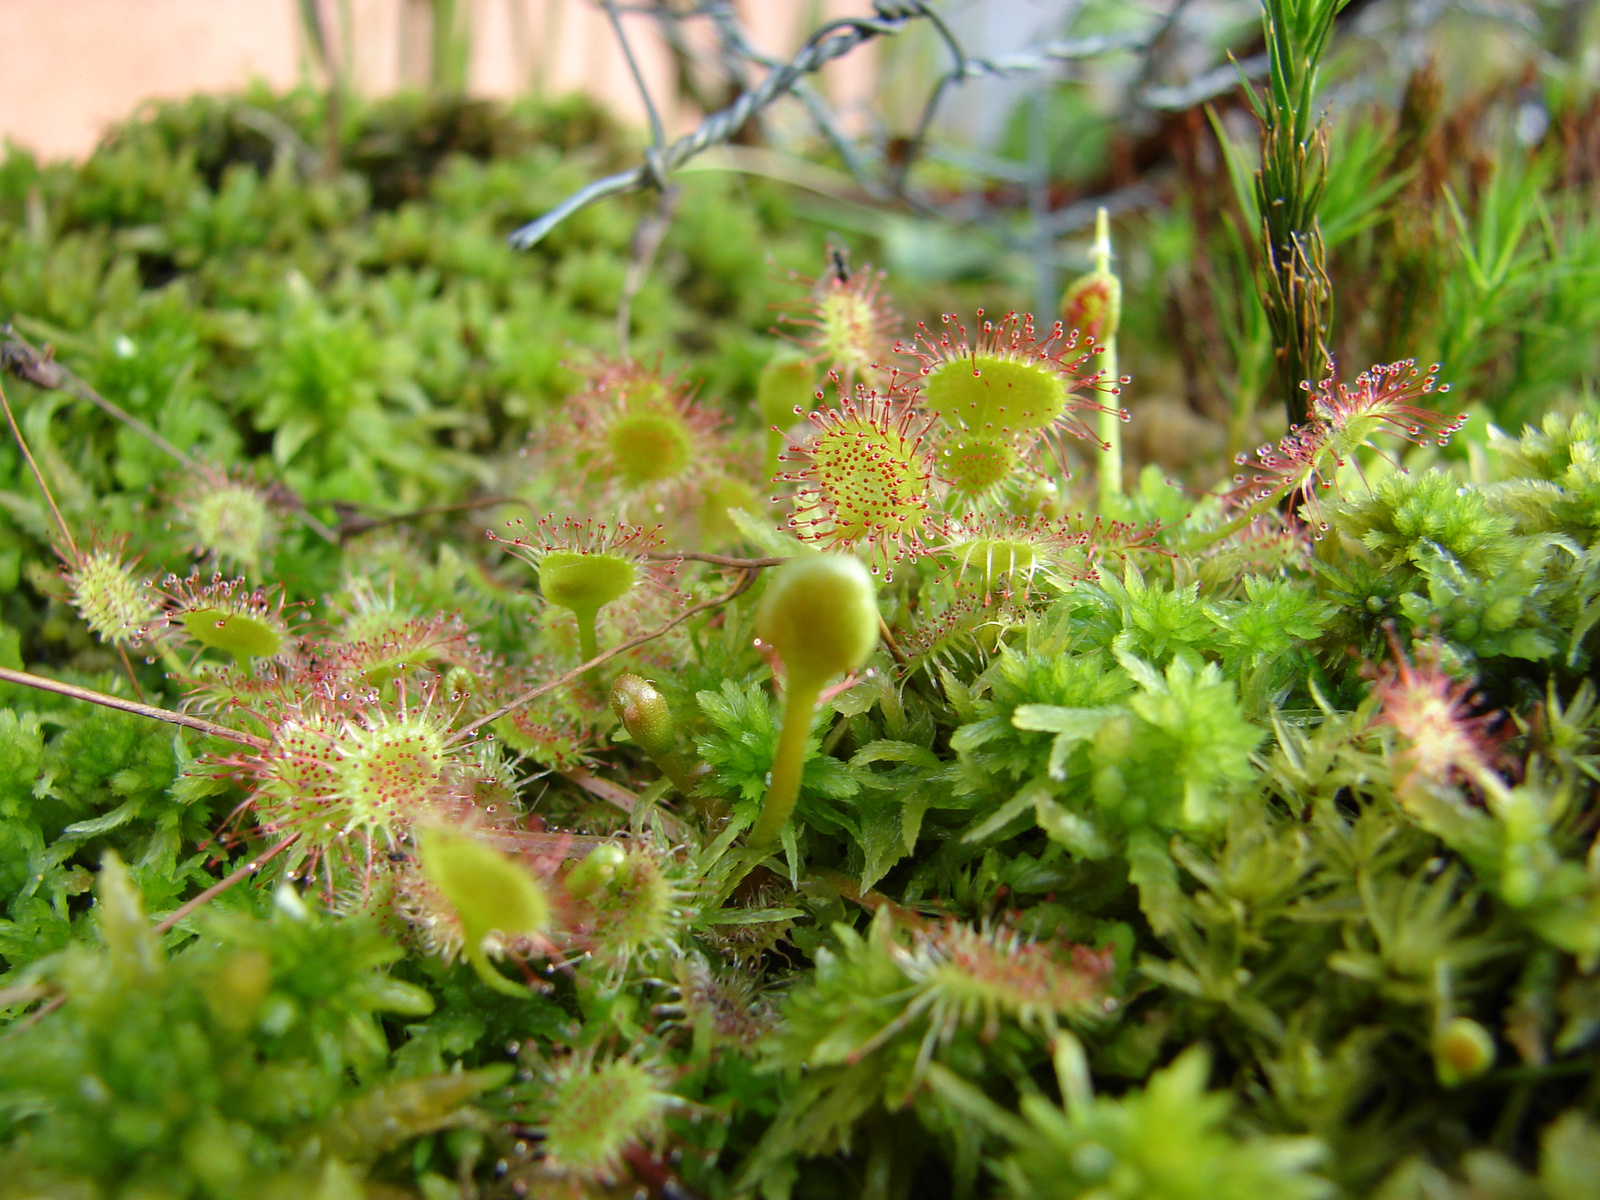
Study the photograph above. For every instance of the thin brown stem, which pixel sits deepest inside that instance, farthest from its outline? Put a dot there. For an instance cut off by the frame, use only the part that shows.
(646, 241)
(577, 672)
(222, 885)
(38, 1014)
(23, 993)
(38, 476)
(356, 523)
(716, 560)
(187, 720)
(44, 371)
(888, 640)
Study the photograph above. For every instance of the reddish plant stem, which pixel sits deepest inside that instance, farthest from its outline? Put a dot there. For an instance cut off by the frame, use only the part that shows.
(222, 885)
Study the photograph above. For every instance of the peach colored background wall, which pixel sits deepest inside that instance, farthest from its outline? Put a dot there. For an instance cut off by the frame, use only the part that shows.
(70, 67)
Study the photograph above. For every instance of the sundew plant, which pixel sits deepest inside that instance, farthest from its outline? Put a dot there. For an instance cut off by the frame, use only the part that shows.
(812, 748)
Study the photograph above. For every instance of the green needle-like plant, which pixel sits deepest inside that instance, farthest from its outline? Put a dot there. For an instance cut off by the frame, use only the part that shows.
(1092, 305)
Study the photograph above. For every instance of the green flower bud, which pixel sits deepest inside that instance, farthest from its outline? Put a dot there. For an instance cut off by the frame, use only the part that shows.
(626, 900)
(1462, 1051)
(644, 713)
(599, 868)
(820, 614)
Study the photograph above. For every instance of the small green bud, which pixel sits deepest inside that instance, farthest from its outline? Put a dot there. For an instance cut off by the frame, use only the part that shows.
(787, 382)
(1462, 1051)
(625, 898)
(644, 713)
(820, 614)
(1092, 303)
(599, 868)
(488, 891)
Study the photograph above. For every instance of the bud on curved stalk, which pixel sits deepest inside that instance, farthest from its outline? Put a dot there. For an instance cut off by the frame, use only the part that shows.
(820, 615)
(1092, 305)
(488, 891)
(644, 713)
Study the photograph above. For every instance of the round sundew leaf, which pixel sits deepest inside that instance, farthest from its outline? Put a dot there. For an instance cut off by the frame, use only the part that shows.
(848, 323)
(995, 396)
(233, 633)
(649, 446)
(109, 597)
(398, 765)
(820, 614)
(872, 479)
(597, 1113)
(585, 582)
(974, 465)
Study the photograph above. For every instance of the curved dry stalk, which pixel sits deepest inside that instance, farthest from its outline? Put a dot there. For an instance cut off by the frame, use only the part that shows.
(187, 720)
(38, 476)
